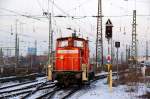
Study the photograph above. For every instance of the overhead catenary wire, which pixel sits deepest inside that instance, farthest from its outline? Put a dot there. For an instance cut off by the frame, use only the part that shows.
(24, 35)
(81, 4)
(23, 15)
(67, 14)
(81, 17)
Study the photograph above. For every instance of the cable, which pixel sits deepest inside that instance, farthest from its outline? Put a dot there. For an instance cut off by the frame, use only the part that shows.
(23, 15)
(24, 35)
(80, 17)
(83, 3)
(59, 8)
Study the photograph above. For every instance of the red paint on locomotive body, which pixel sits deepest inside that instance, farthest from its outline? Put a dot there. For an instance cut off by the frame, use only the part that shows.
(68, 59)
(71, 53)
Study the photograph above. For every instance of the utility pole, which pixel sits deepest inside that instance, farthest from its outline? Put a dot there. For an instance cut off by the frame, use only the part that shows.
(129, 52)
(122, 59)
(117, 45)
(16, 46)
(35, 52)
(112, 52)
(134, 40)
(117, 65)
(1, 56)
(50, 38)
(99, 36)
(126, 54)
(18, 51)
(35, 47)
(147, 50)
(50, 47)
(1, 61)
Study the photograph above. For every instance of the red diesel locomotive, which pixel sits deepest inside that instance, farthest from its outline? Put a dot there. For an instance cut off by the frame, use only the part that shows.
(72, 61)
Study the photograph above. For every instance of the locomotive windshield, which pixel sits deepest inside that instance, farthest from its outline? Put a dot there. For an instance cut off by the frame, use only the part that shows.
(63, 43)
(78, 43)
(70, 43)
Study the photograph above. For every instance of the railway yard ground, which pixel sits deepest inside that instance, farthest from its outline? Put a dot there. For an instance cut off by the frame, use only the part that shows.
(40, 88)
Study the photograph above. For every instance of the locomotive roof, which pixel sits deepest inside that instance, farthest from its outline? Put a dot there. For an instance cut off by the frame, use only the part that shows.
(75, 38)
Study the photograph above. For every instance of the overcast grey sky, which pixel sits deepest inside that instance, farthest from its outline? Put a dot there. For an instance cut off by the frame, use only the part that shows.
(38, 29)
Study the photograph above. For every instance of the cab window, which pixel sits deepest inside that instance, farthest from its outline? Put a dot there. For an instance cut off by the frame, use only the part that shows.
(78, 43)
(63, 43)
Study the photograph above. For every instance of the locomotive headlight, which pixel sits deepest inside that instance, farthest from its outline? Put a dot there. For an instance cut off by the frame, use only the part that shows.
(61, 57)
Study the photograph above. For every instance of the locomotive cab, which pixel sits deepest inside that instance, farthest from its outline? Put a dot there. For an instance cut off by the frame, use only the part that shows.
(71, 60)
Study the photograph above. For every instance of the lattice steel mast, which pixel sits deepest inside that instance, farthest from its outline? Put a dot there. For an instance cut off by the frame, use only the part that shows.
(134, 38)
(99, 37)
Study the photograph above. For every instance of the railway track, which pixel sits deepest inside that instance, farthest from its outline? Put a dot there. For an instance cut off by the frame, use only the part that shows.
(69, 92)
(49, 94)
(15, 85)
(20, 86)
(19, 89)
(31, 88)
(26, 91)
(20, 78)
(76, 89)
(42, 85)
(72, 91)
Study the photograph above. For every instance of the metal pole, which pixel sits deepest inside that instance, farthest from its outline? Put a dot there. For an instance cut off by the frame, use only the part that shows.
(121, 57)
(49, 47)
(117, 66)
(99, 37)
(134, 41)
(126, 54)
(18, 51)
(16, 47)
(112, 51)
(146, 50)
(35, 47)
(31, 61)
(50, 64)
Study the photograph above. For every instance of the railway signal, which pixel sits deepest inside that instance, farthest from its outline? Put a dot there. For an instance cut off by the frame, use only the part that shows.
(108, 32)
(108, 35)
(117, 44)
(108, 58)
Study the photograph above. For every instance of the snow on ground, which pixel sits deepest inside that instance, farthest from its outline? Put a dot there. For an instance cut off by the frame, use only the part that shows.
(24, 85)
(100, 90)
(39, 79)
(9, 83)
